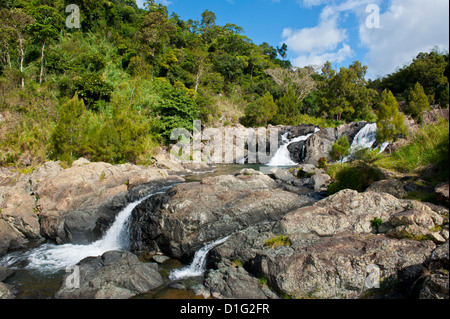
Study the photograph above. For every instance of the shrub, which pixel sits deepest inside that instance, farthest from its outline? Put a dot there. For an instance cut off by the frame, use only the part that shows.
(357, 177)
(278, 241)
(322, 162)
(375, 223)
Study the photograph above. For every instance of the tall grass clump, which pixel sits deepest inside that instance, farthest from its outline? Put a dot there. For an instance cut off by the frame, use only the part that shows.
(428, 146)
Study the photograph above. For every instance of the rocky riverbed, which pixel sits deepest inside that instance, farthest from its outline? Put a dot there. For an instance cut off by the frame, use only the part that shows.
(286, 237)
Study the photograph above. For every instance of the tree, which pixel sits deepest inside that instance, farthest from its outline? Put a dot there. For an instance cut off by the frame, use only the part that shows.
(68, 135)
(283, 51)
(345, 95)
(208, 19)
(45, 28)
(17, 21)
(260, 112)
(340, 149)
(391, 123)
(154, 33)
(418, 102)
(298, 79)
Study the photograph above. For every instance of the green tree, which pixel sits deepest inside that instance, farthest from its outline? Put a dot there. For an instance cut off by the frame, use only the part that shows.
(418, 102)
(288, 108)
(260, 112)
(391, 123)
(345, 95)
(340, 149)
(68, 136)
(17, 22)
(45, 27)
(154, 34)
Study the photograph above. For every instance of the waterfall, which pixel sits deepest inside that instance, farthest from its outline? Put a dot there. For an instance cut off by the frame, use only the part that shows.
(198, 265)
(366, 138)
(283, 157)
(50, 257)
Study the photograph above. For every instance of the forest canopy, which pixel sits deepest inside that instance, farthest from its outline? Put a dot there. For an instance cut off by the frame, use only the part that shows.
(115, 88)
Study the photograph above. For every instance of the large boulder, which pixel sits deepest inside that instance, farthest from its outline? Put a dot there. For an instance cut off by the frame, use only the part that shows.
(338, 266)
(328, 250)
(192, 214)
(75, 204)
(442, 194)
(232, 281)
(114, 275)
(10, 238)
(320, 145)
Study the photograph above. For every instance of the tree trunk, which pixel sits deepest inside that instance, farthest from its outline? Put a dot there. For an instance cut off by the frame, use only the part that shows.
(42, 63)
(197, 81)
(22, 55)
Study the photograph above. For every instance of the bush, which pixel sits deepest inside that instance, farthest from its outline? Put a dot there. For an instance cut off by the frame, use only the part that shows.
(322, 162)
(429, 146)
(278, 241)
(358, 178)
(91, 88)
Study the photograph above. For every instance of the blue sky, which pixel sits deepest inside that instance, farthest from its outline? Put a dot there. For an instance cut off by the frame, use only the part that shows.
(317, 31)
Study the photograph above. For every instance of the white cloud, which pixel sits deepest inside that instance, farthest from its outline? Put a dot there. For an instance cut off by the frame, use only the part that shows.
(319, 59)
(407, 28)
(325, 42)
(325, 36)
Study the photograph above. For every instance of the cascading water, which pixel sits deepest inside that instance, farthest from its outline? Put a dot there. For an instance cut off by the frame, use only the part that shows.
(366, 138)
(50, 257)
(198, 265)
(283, 157)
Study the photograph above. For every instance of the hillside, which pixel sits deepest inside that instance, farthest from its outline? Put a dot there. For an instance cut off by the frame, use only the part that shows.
(113, 89)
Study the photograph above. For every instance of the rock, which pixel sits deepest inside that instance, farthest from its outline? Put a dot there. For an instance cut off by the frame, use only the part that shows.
(114, 275)
(336, 267)
(345, 211)
(19, 210)
(75, 204)
(5, 273)
(319, 145)
(190, 215)
(331, 246)
(2, 118)
(301, 130)
(47, 170)
(437, 238)
(6, 292)
(160, 259)
(10, 238)
(281, 174)
(436, 286)
(80, 162)
(390, 186)
(440, 257)
(249, 171)
(320, 182)
(442, 193)
(228, 282)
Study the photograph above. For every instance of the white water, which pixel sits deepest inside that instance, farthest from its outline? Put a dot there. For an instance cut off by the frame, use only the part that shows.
(282, 157)
(366, 138)
(49, 257)
(198, 265)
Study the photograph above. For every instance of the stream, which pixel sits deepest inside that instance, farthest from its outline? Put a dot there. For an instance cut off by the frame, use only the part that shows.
(39, 269)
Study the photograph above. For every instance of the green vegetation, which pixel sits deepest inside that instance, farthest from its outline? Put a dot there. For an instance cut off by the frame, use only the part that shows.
(418, 103)
(428, 147)
(278, 241)
(390, 123)
(114, 89)
(357, 176)
(340, 149)
(375, 223)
